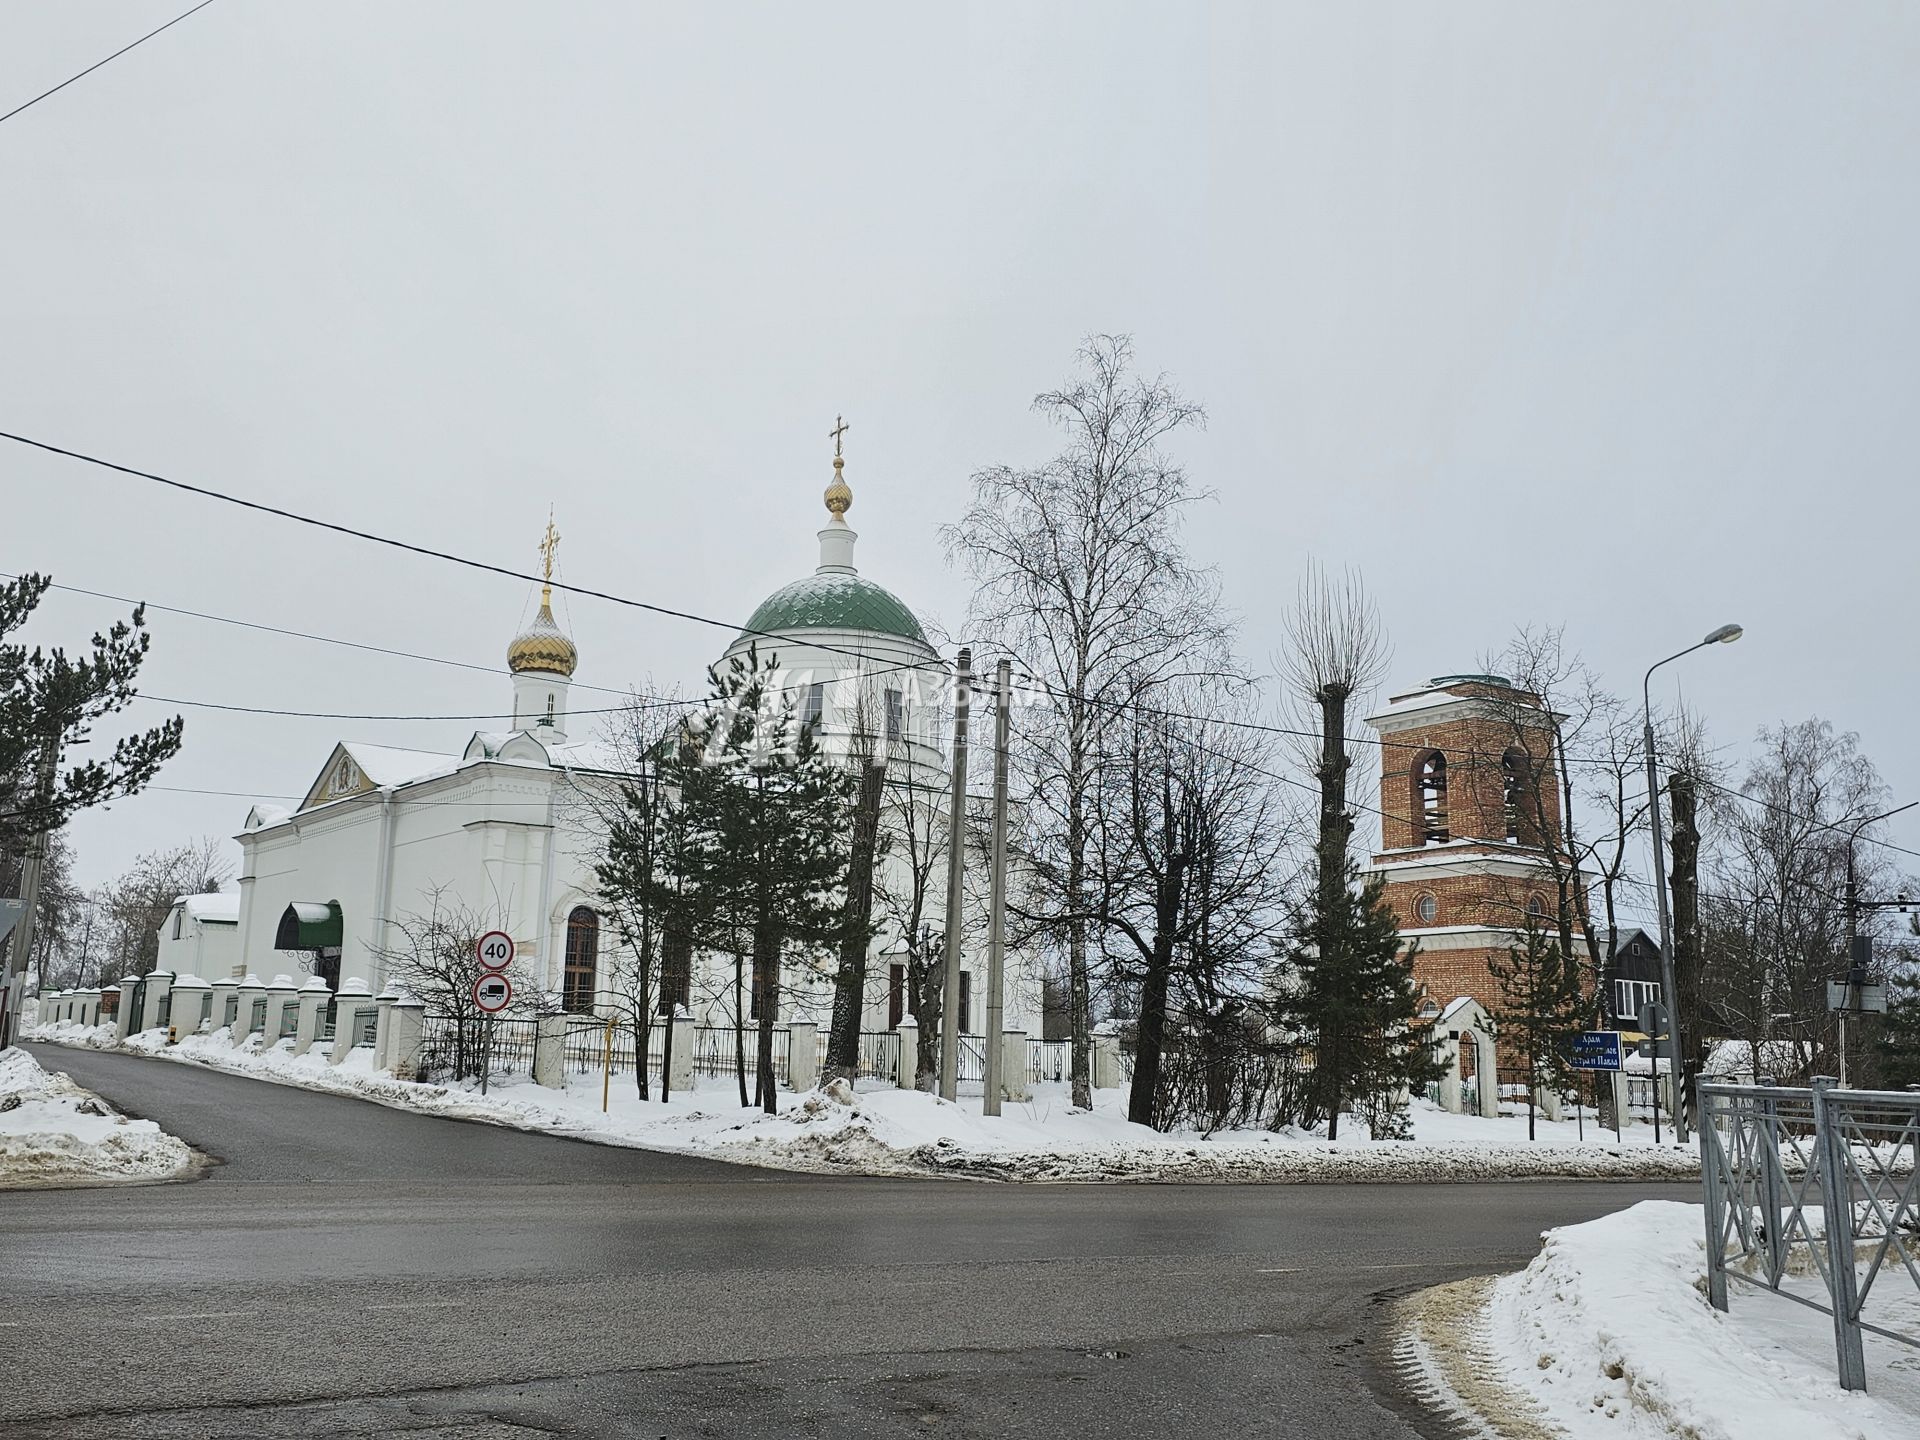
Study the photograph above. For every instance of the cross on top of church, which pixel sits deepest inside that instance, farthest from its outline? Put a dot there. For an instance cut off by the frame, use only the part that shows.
(840, 427)
(548, 546)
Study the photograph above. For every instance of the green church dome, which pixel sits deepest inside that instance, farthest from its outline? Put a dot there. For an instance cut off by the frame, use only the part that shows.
(830, 601)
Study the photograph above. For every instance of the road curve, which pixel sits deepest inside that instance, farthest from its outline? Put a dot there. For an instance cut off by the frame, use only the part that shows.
(349, 1269)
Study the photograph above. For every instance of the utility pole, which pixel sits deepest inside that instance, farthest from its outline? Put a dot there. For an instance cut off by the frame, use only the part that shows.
(956, 882)
(33, 868)
(997, 904)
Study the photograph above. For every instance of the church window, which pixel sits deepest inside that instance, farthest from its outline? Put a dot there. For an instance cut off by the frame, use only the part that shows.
(676, 974)
(966, 1002)
(179, 915)
(896, 715)
(1536, 908)
(1426, 909)
(1430, 798)
(579, 981)
(1517, 771)
(814, 709)
(896, 995)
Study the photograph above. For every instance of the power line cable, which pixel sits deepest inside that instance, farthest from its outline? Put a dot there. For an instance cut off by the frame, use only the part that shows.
(938, 666)
(98, 63)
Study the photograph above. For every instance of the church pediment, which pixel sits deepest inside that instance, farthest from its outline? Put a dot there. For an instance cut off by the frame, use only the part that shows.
(341, 778)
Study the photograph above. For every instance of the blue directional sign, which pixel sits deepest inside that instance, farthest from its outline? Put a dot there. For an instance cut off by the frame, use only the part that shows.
(1596, 1050)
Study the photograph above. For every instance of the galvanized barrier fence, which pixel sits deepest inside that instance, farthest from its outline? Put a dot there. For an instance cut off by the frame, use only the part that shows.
(1780, 1166)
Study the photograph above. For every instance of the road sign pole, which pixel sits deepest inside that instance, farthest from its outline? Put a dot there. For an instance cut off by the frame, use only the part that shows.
(486, 1054)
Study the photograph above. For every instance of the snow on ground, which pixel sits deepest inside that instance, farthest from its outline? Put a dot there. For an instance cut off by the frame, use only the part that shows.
(881, 1130)
(1608, 1334)
(54, 1133)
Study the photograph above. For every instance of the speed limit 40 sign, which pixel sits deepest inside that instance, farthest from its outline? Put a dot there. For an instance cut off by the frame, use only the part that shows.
(494, 950)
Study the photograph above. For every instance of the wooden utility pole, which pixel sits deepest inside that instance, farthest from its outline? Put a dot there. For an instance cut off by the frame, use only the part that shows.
(956, 882)
(997, 904)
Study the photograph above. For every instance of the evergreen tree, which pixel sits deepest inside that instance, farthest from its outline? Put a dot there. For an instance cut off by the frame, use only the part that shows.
(764, 863)
(1541, 1006)
(1899, 1047)
(1353, 999)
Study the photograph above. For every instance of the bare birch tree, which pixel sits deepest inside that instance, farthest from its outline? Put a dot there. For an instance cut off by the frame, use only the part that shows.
(1080, 572)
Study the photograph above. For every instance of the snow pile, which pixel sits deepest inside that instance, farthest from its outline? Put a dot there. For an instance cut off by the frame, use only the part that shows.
(1608, 1333)
(880, 1130)
(54, 1133)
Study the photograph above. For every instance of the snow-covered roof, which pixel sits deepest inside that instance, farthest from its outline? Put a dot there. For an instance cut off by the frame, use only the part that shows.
(389, 765)
(221, 909)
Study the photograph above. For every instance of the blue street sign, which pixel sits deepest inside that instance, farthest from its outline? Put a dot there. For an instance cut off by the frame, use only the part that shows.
(1596, 1050)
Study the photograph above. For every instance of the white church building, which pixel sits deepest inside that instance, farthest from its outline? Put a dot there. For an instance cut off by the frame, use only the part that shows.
(496, 827)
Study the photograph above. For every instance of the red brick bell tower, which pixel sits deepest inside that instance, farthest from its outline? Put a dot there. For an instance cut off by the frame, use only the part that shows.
(1470, 802)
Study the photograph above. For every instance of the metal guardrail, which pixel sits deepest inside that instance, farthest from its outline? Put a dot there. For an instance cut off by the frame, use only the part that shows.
(1780, 1165)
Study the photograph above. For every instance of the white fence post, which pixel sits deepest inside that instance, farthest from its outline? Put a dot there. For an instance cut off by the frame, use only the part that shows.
(803, 1054)
(550, 1050)
(1015, 1072)
(909, 1033)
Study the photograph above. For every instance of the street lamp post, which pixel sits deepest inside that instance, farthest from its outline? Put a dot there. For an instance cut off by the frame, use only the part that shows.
(1725, 635)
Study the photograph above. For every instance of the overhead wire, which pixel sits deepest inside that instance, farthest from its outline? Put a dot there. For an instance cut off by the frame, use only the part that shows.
(936, 666)
(98, 63)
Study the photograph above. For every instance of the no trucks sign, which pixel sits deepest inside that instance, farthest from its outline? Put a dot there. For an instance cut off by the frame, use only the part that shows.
(492, 994)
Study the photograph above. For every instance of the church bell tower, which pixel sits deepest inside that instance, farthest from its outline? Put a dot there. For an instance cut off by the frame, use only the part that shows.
(1470, 805)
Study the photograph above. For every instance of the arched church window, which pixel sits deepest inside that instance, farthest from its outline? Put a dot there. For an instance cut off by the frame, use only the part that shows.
(1517, 772)
(1536, 907)
(1430, 798)
(578, 983)
(1426, 909)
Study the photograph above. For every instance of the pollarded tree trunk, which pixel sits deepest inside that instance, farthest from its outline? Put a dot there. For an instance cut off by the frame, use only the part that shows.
(850, 981)
(1686, 932)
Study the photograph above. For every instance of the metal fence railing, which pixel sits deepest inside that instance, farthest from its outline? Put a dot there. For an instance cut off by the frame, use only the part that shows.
(1049, 1061)
(714, 1052)
(453, 1048)
(1823, 1176)
(879, 1054)
(587, 1049)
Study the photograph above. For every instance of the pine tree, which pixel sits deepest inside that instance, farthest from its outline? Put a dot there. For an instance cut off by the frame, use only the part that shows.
(1354, 1000)
(1541, 1006)
(767, 817)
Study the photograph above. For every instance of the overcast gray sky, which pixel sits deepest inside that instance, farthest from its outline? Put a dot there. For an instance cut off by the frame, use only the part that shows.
(1603, 316)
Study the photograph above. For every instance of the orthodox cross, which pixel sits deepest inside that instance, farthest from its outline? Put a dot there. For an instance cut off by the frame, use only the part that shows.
(547, 547)
(840, 427)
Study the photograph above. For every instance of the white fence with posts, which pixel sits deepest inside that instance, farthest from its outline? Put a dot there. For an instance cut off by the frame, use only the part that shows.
(1814, 1194)
(397, 1033)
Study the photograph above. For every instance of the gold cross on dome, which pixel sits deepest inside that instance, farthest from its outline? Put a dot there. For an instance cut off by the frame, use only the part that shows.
(548, 546)
(840, 427)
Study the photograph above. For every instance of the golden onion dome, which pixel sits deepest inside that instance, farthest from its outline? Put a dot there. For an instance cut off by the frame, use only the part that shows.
(543, 646)
(839, 496)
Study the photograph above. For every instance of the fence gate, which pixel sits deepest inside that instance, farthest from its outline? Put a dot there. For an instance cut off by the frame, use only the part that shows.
(1821, 1173)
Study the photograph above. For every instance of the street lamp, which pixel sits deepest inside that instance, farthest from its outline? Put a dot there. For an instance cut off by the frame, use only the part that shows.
(1723, 635)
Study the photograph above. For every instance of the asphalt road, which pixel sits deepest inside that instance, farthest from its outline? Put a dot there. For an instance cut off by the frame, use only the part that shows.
(353, 1270)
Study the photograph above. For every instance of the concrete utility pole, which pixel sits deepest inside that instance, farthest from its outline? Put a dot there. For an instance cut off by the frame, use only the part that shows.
(997, 905)
(956, 882)
(32, 869)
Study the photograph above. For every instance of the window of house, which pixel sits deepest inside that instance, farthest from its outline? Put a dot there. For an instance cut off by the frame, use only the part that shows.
(580, 981)
(896, 715)
(1430, 798)
(1629, 996)
(1426, 909)
(814, 708)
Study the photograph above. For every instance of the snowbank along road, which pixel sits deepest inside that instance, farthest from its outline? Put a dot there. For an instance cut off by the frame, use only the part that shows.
(353, 1270)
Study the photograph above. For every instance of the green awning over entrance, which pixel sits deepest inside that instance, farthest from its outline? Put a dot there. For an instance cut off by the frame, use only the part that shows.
(310, 925)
